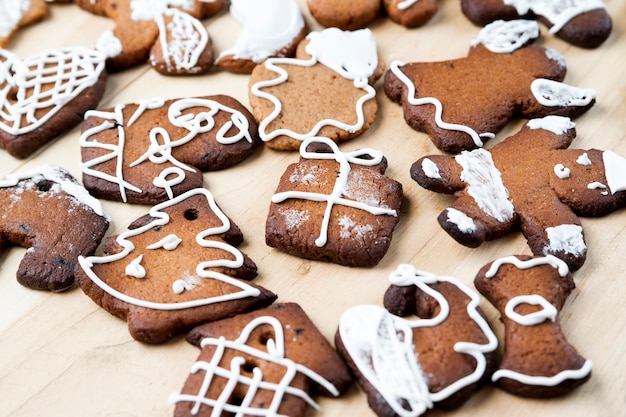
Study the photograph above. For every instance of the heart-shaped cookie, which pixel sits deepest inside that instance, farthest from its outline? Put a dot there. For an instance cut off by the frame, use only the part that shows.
(46, 94)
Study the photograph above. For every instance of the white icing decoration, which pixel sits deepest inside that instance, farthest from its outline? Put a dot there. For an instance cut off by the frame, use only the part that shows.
(547, 381)
(134, 268)
(462, 221)
(615, 171)
(59, 176)
(557, 12)
(561, 171)
(330, 47)
(68, 71)
(109, 44)
(169, 242)
(430, 169)
(202, 268)
(583, 159)
(551, 260)
(552, 93)
(12, 12)
(160, 151)
(268, 27)
(188, 283)
(555, 55)
(504, 37)
(567, 238)
(275, 354)
(405, 4)
(336, 197)
(188, 39)
(395, 68)
(596, 185)
(547, 312)
(381, 345)
(485, 184)
(555, 124)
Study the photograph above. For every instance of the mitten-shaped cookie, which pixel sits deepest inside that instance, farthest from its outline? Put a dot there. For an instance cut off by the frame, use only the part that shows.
(584, 23)
(48, 212)
(461, 103)
(529, 292)
(267, 362)
(167, 34)
(407, 365)
(528, 180)
(157, 149)
(174, 268)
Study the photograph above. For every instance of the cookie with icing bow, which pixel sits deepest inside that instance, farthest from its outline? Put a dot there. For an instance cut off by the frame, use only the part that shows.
(530, 181)
(48, 212)
(430, 346)
(462, 103)
(175, 268)
(584, 23)
(156, 149)
(331, 77)
(269, 362)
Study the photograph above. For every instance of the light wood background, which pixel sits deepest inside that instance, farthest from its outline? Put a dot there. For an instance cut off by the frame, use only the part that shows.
(61, 355)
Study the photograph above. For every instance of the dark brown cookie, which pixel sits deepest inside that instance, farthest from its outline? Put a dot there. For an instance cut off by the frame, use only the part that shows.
(531, 181)
(408, 365)
(47, 211)
(334, 206)
(157, 149)
(461, 103)
(529, 292)
(174, 268)
(46, 95)
(266, 362)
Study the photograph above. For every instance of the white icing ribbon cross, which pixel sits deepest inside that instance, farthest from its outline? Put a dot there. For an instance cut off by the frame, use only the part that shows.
(275, 354)
(344, 160)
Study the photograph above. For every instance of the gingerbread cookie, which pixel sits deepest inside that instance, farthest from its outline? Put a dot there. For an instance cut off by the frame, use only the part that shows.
(350, 15)
(528, 180)
(461, 103)
(408, 366)
(331, 76)
(267, 362)
(48, 212)
(335, 206)
(46, 95)
(271, 28)
(584, 23)
(157, 149)
(17, 14)
(167, 34)
(174, 268)
(529, 292)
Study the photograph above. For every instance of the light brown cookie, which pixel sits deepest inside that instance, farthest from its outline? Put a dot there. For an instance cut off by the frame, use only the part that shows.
(174, 268)
(331, 77)
(48, 212)
(266, 362)
(15, 14)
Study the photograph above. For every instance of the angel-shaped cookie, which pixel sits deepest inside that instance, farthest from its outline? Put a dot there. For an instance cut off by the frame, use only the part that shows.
(325, 91)
(463, 102)
(407, 365)
(528, 180)
(174, 268)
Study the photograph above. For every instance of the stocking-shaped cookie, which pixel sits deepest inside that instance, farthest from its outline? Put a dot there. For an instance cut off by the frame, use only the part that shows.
(168, 34)
(264, 363)
(46, 94)
(408, 365)
(528, 180)
(585, 23)
(157, 149)
(47, 211)
(174, 268)
(325, 91)
(463, 102)
(529, 293)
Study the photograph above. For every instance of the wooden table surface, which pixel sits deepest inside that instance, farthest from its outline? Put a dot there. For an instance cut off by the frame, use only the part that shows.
(61, 355)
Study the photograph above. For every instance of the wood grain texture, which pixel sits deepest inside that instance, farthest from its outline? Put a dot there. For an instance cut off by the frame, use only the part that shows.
(60, 354)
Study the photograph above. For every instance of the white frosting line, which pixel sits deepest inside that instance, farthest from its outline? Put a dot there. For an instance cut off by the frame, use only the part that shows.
(169, 242)
(561, 171)
(548, 381)
(555, 124)
(504, 37)
(188, 39)
(615, 171)
(558, 12)
(134, 268)
(462, 221)
(547, 312)
(430, 169)
(552, 93)
(567, 238)
(551, 260)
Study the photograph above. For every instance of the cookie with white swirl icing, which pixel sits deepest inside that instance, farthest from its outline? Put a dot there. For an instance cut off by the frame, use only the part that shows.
(175, 268)
(529, 292)
(584, 23)
(462, 103)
